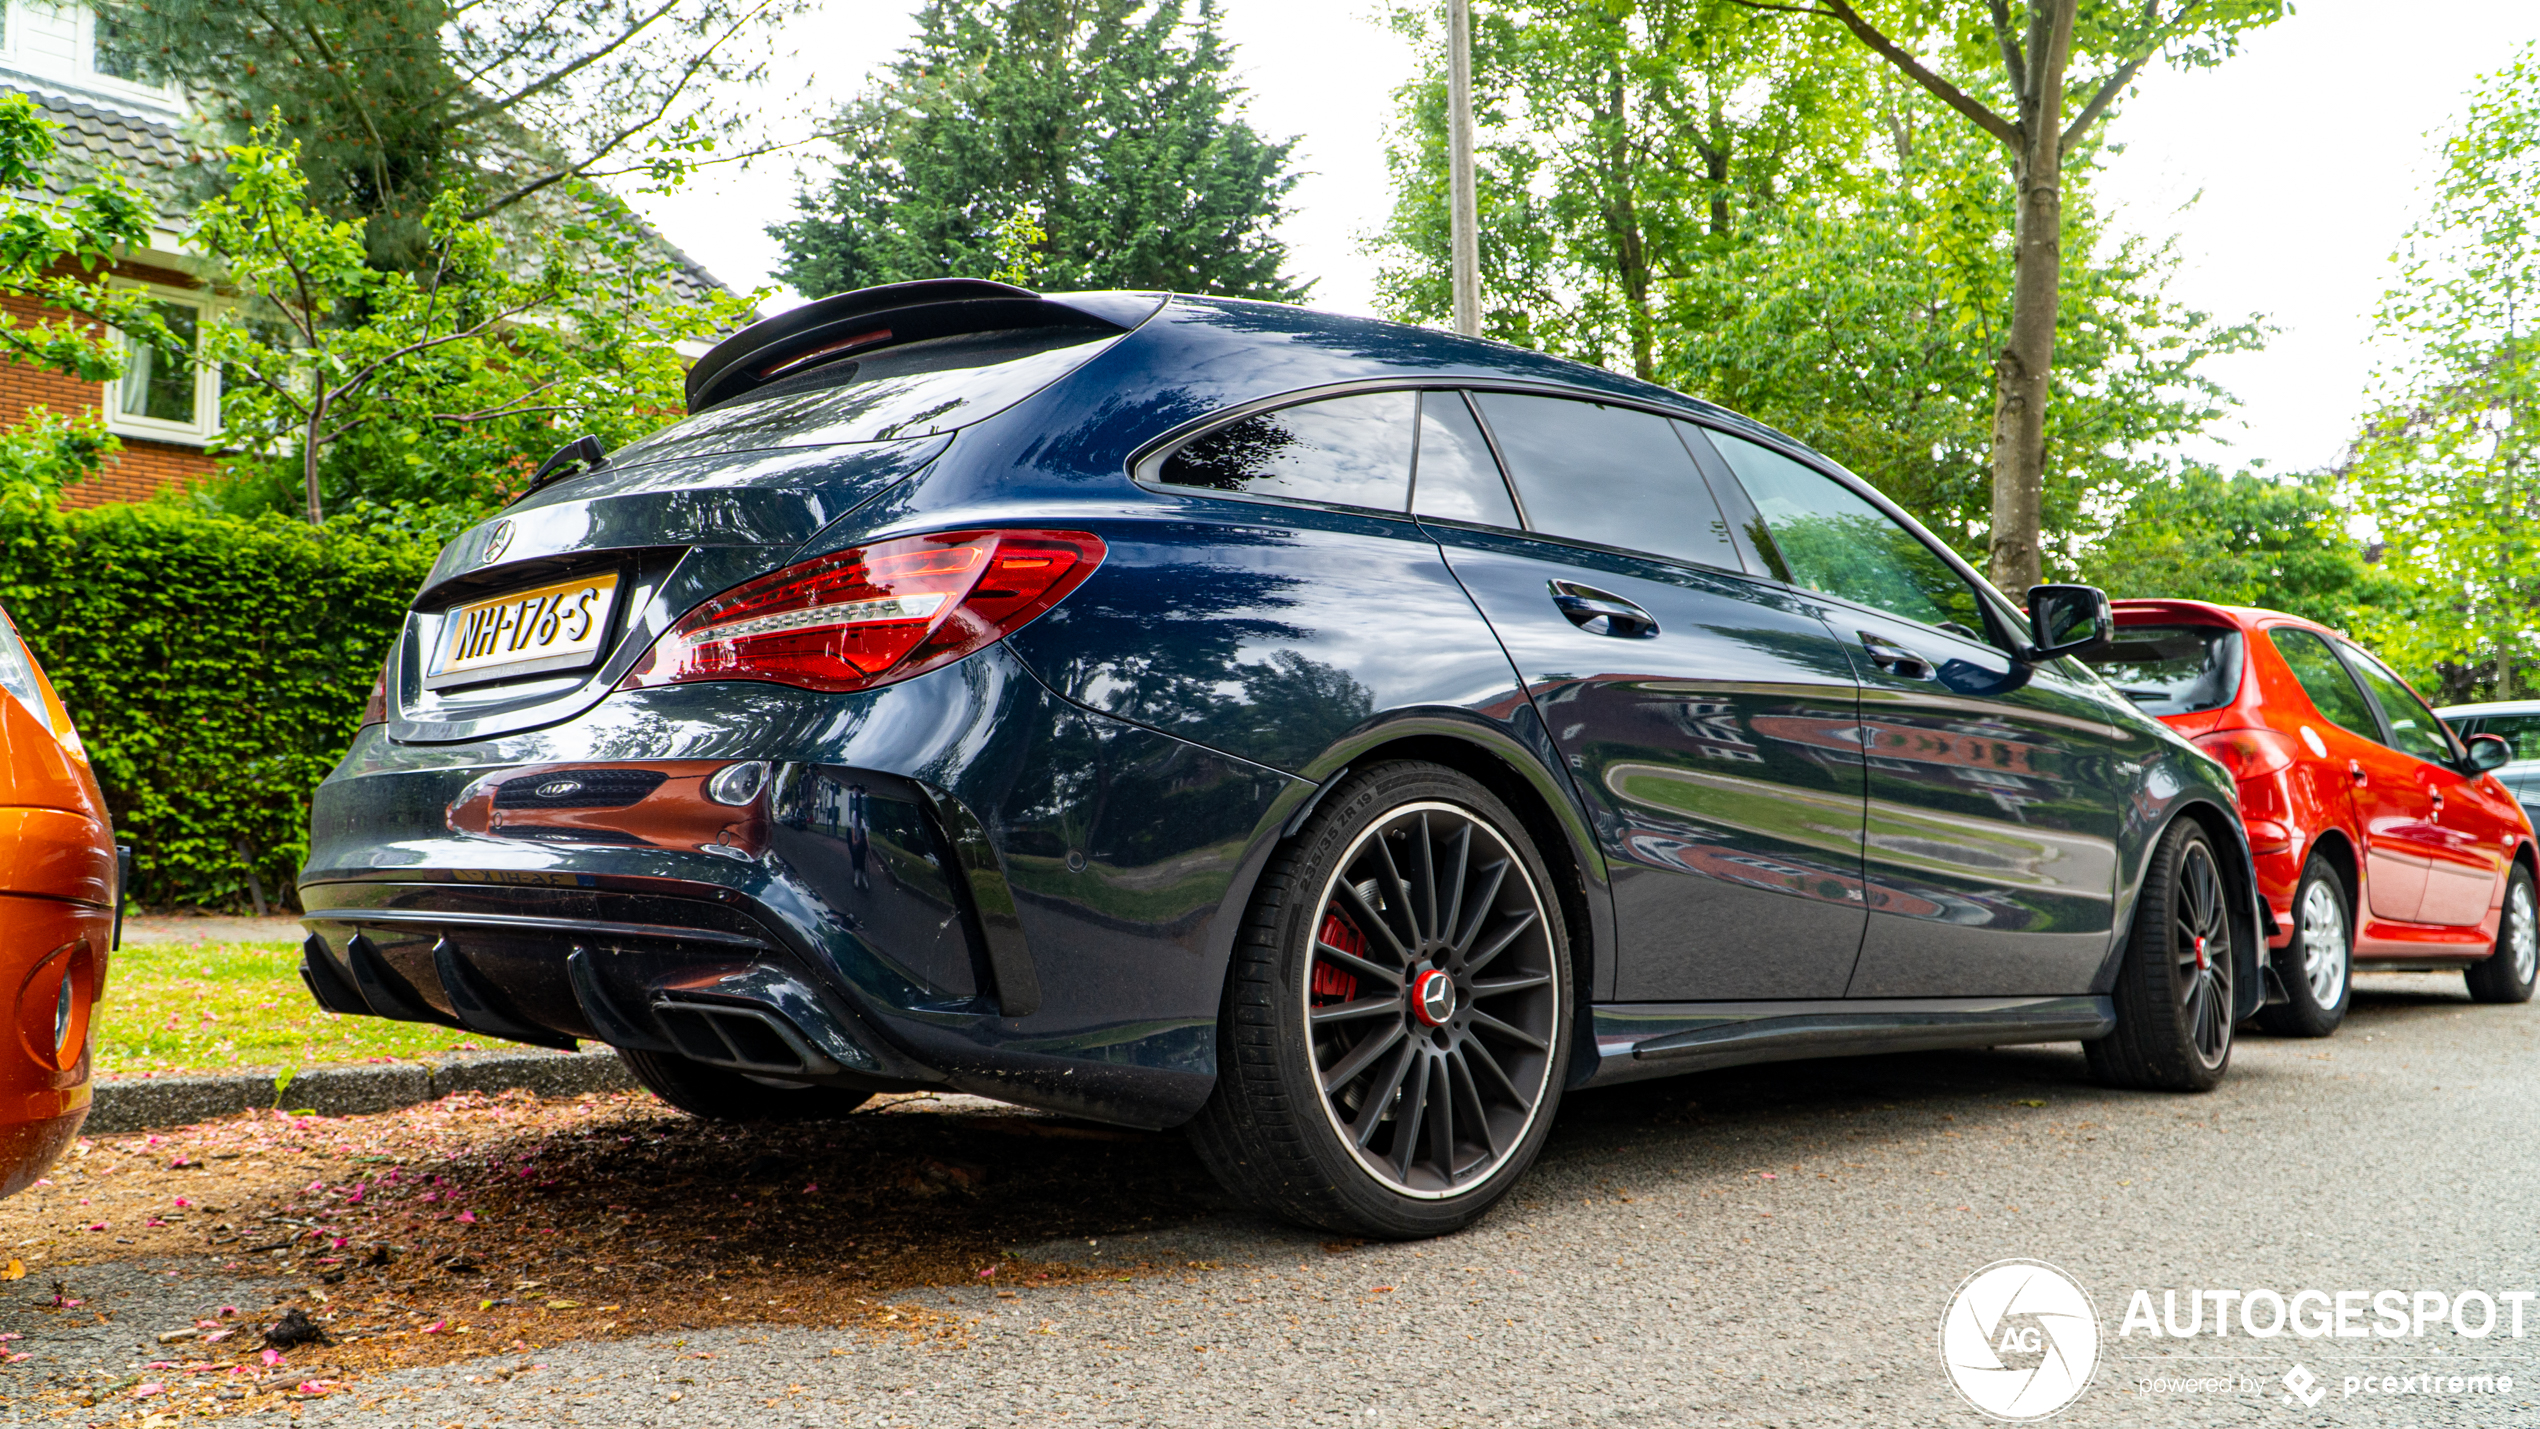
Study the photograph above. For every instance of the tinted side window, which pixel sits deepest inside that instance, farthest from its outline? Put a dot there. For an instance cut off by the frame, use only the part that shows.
(2413, 727)
(2331, 689)
(1609, 475)
(2520, 731)
(1832, 540)
(1349, 451)
(1457, 478)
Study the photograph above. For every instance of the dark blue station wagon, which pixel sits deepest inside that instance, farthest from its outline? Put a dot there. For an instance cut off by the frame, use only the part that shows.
(1332, 736)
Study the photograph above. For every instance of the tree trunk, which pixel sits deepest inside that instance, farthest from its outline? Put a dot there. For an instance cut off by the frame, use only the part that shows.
(309, 456)
(1631, 250)
(2022, 373)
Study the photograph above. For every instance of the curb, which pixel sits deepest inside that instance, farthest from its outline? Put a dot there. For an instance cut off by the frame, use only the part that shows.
(148, 1103)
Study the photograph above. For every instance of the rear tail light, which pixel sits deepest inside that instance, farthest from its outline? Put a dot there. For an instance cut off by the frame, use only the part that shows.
(874, 615)
(2248, 753)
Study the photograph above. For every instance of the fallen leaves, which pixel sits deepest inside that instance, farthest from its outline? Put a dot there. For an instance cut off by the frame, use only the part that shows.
(627, 1218)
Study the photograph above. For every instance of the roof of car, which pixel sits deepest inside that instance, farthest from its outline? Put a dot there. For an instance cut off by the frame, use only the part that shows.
(2490, 707)
(2240, 615)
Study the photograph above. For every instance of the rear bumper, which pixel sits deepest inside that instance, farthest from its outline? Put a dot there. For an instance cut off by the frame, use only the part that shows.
(960, 881)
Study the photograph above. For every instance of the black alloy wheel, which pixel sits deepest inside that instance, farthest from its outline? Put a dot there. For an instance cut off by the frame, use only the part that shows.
(1398, 1017)
(2174, 991)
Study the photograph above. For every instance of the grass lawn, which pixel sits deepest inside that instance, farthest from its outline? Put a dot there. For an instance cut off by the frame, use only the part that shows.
(216, 1007)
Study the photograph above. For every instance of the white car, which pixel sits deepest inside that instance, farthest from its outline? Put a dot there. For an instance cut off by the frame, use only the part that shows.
(2519, 722)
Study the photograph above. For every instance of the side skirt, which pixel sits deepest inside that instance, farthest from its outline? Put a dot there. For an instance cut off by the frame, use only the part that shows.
(1637, 1040)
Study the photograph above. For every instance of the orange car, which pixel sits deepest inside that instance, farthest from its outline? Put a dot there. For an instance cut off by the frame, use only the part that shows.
(60, 887)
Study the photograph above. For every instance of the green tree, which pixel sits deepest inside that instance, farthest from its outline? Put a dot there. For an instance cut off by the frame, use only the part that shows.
(2244, 539)
(2448, 464)
(2013, 69)
(395, 103)
(1624, 146)
(1865, 322)
(441, 385)
(1819, 245)
(1115, 124)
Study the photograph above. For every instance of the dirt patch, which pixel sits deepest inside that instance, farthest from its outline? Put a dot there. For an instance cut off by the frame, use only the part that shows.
(481, 1225)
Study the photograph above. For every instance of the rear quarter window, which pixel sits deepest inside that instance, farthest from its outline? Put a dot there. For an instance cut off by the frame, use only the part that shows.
(2173, 669)
(1343, 451)
(2323, 677)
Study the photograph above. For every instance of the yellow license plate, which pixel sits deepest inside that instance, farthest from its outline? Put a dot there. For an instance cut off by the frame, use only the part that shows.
(525, 632)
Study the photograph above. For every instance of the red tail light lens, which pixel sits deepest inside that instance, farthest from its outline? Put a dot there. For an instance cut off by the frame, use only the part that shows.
(2248, 753)
(874, 615)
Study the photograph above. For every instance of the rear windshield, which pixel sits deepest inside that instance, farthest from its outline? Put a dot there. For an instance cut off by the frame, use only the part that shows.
(2173, 669)
(917, 389)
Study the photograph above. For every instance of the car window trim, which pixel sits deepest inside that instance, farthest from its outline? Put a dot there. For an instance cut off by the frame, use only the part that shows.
(2004, 637)
(1147, 455)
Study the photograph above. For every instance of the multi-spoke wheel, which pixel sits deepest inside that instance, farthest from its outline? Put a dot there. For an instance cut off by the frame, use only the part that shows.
(1398, 1014)
(2174, 992)
(2314, 965)
(2507, 974)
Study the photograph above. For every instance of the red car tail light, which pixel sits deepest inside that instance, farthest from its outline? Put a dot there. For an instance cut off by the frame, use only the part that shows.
(2248, 753)
(874, 615)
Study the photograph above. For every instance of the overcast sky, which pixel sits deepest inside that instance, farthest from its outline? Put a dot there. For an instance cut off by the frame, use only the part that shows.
(2307, 151)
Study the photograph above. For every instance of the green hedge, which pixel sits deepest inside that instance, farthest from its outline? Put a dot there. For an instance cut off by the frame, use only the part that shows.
(216, 667)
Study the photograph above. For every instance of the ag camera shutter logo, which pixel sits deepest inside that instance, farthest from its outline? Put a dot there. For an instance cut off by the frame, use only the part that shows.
(2020, 1340)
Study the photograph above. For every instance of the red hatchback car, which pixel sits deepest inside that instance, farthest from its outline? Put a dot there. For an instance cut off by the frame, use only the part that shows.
(2356, 798)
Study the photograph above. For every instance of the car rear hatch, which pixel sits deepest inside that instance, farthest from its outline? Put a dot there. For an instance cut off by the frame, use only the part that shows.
(533, 617)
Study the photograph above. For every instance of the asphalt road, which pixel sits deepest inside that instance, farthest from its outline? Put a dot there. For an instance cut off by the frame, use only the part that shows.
(1766, 1246)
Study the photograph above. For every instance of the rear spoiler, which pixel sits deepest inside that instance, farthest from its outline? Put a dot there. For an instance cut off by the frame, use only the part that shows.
(869, 319)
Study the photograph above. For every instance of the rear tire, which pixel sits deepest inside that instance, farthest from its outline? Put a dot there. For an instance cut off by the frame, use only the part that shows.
(2174, 982)
(719, 1095)
(1397, 1020)
(2316, 967)
(2507, 974)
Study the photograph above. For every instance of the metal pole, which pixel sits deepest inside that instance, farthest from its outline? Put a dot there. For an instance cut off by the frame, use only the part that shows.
(1465, 225)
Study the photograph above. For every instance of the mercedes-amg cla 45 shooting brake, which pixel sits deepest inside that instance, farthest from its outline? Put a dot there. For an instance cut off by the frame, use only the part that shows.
(1333, 737)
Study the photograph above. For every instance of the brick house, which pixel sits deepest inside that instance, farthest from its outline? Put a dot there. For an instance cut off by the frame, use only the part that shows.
(166, 419)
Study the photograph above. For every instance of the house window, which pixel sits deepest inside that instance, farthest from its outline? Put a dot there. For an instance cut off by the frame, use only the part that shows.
(162, 398)
(86, 47)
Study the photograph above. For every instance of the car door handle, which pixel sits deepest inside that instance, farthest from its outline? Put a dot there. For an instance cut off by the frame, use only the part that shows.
(1599, 613)
(2438, 801)
(1895, 659)
(2355, 771)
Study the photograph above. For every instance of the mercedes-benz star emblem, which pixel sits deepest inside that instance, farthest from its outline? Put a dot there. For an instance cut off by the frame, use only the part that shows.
(1433, 997)
(497, 541)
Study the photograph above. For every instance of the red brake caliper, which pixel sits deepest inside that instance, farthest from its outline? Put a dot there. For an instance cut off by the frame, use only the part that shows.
(1332, 984)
